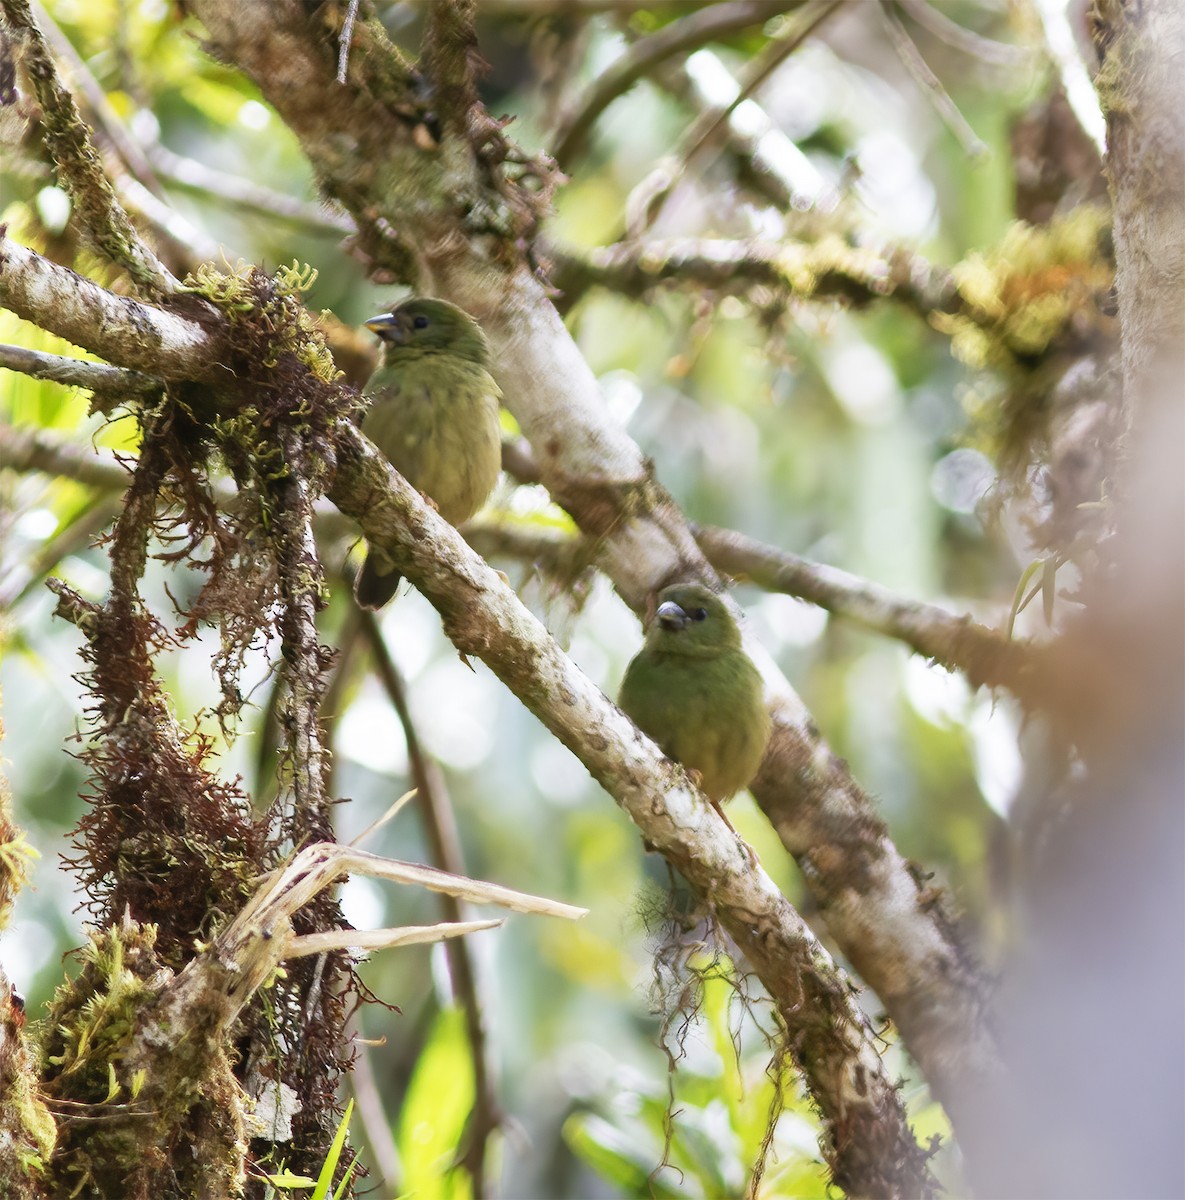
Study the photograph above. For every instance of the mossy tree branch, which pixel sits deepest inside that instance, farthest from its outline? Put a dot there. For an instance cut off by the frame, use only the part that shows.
(869, 1145)
(79, 167)
(469, 233)
(484, 619)
(829, 268)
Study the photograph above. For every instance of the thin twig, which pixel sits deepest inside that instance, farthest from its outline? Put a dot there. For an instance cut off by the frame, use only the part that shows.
(399, 805)
(240, 193)
(778, 172)
(931, 85)
(797, 29)
(703, 131)
(343, 45)
(375, 1121)
(687, 33)
(964, 39)
(443, 837)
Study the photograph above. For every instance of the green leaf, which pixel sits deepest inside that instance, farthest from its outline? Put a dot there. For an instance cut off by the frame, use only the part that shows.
(325, 1179)
(1049, 590)
(615, 1158)
(432, 1123)
(1019, 599)
(286, 1181)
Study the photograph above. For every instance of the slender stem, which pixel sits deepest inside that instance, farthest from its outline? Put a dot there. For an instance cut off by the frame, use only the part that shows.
(931, 85)
(704, 130)
(645, 55)
(347, 36)
(375, 1121)
(441, 826)
(194, 176)
(964, 39)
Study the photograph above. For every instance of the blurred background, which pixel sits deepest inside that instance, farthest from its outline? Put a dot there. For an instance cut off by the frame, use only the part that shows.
(848, 434)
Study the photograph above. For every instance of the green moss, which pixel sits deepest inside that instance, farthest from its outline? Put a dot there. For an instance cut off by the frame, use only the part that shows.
(1020, 295)
(1039, 293)
(28, 1131)
(91, 1018)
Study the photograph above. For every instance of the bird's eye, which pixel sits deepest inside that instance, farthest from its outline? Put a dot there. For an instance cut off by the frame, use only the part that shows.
(698, 614)
(420, 322)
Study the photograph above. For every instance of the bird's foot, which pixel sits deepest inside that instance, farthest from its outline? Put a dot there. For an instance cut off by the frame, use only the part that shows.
(750, 853)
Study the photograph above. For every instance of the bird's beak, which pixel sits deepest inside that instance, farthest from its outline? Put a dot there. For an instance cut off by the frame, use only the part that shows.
(386, 326)
(671, 616)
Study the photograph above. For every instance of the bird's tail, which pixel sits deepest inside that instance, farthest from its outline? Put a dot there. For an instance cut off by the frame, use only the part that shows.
(372, 589)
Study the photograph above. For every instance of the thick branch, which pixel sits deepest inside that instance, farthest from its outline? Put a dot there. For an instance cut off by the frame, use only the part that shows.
(483, 618)
(1142, 89)
(450, 59)
(829, 268)
(137, 336)
(987, 658)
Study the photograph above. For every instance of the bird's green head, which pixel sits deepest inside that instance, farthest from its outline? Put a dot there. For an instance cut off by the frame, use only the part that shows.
(692, 619)
(430, 325)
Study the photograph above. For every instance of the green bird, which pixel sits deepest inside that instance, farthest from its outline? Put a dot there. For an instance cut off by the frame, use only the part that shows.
(693, 689)
(434, 413)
